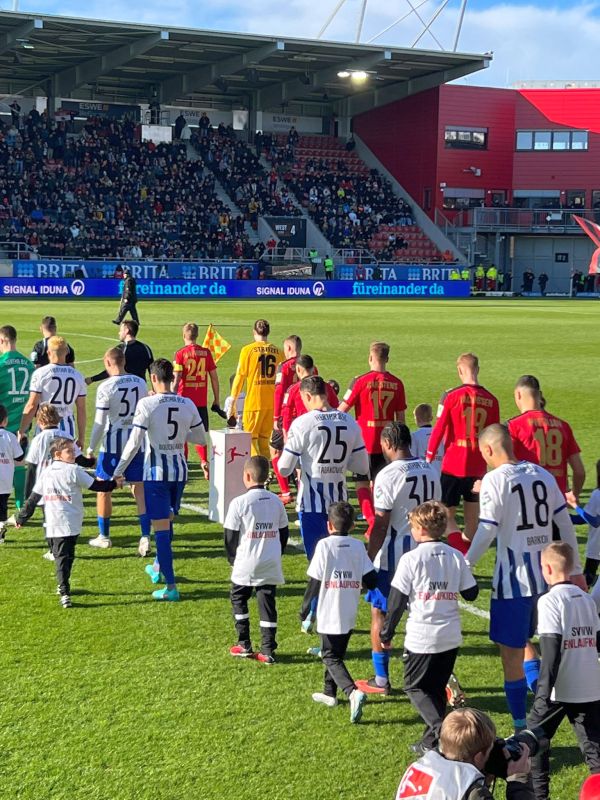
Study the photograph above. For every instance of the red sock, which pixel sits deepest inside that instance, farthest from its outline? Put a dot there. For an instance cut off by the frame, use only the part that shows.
(284, 484)
(202, 451)
(365, 501)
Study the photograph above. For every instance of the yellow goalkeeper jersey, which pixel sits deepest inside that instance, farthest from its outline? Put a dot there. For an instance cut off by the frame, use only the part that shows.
(257, 367)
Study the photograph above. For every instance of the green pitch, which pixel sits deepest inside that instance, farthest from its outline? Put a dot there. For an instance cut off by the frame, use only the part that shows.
(123, 699)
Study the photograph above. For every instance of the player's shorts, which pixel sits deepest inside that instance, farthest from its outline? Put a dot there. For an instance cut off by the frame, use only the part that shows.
(259, 424)
(276, 441)
(455, 489)
(162, 498)
(313, 528)
(203, 412)
(376, 463)
(513, 621)
(107, 463)
(378, 596)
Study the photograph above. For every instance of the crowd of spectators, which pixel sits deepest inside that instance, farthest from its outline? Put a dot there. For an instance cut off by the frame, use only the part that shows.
(239, 170)
(106, 194)
(348, 208)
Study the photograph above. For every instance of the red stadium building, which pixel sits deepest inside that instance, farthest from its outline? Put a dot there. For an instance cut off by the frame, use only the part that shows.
(501, 170)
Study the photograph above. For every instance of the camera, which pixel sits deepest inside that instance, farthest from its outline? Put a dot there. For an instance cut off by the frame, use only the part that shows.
(506, 750)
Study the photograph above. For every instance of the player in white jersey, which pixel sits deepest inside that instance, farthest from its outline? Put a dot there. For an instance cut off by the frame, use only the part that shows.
(423, 415)
(62, 386)
(519, 501)
(116, 402)
(165, 422)
(569, 683)
(402, 485)
(328, 444)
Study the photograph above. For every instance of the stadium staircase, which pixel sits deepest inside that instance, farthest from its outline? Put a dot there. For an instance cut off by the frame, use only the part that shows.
(422, 246)
(221, 194)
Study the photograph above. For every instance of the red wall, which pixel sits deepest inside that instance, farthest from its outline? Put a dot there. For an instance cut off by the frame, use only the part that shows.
(403, 136)
(408, 138)
(553, 109)
(477, 107)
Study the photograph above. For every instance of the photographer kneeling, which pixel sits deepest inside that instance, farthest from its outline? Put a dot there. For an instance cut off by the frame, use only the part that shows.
(468, 751)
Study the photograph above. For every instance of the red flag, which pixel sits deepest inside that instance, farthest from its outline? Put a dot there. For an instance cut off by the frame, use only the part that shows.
(593, 231)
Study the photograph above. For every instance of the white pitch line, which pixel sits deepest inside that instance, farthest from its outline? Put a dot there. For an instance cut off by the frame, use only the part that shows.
(477, 612)
(90, 360)
(92, 336)
(198, 509)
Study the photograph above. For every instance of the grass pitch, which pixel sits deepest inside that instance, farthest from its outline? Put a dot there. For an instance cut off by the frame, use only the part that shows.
(122, 698)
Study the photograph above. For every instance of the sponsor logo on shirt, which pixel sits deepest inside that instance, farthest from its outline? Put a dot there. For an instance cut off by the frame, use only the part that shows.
(342, 579)
(581, 636)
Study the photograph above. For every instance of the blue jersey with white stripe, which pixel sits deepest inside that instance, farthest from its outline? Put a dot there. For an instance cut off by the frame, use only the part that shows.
(518, 503)
(116, 402)
(168, 421)
(328, 444)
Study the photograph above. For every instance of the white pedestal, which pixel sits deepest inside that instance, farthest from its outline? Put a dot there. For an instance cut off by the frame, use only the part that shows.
(229, 452)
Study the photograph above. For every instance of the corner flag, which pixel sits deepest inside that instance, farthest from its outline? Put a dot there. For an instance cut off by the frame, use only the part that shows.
(217, 345)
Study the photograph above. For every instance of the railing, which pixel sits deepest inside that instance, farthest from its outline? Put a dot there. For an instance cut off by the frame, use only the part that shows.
(15, 250)
(534, 220)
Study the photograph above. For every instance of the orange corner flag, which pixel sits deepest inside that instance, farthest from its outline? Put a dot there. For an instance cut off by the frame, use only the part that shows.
(217, 345)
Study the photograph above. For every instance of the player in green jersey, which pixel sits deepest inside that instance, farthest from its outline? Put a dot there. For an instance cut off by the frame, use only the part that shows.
(15, 375)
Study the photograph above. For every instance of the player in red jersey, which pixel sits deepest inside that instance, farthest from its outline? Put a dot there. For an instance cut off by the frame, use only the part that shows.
(286, 376)
(544, 439)
(378, 398)
(462, 414)
(293, 404)
(193, 366)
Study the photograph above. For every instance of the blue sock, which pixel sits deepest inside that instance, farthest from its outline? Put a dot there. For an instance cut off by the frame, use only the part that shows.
(381, 663)
(145, 525)
(164, 555)
(104, 526)
(532, 673)
(516, 697)
(313, 606)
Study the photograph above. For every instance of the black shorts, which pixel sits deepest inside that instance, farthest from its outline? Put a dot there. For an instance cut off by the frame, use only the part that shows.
(376, 464)
(455, 489)
(203, 411)
(276, 441)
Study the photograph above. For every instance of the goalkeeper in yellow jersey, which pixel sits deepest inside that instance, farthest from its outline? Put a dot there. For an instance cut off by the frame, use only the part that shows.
(257, 368)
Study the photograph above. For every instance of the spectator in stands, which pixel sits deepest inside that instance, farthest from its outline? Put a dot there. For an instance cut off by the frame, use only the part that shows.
(180, 124)
(107, 194)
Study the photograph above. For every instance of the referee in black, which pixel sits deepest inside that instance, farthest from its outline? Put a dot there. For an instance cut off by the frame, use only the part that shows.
(128, 298)
(138, 356)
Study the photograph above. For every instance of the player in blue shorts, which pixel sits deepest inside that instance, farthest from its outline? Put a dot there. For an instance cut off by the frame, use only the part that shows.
(328, 444)
(403, 484)
(518, 502)
(116, 402)
(166, 422)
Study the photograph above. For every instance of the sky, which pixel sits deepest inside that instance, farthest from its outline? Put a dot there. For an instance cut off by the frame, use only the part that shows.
(530, 39)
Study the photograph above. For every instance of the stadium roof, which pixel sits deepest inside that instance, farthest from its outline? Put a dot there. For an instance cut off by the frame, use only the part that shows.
(125, 62)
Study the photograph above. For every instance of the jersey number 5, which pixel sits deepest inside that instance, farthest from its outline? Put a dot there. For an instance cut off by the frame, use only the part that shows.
(172, 422)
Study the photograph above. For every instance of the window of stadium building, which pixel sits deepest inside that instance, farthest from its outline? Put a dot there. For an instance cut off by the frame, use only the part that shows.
(463, 138)
(552, 140)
